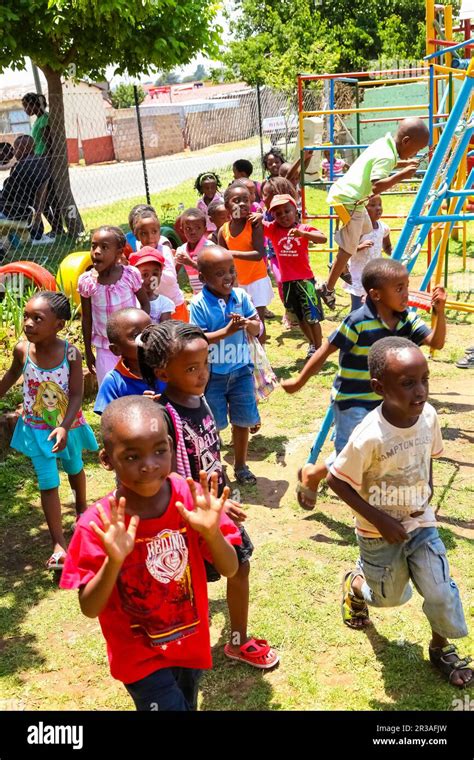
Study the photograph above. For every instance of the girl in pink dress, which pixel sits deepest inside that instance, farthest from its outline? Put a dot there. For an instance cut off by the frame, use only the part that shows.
(106, 288)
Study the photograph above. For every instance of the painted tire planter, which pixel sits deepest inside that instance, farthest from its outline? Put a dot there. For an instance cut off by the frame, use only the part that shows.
(69, 272)
(28, 270)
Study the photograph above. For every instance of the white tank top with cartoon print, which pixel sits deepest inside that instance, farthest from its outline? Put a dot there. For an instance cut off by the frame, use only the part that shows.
(46, 394)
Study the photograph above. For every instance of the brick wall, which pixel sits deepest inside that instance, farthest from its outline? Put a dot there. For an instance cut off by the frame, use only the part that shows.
(220, 125)
(162, 136)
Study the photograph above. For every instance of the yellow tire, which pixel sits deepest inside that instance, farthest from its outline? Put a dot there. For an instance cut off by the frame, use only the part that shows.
(69, 272)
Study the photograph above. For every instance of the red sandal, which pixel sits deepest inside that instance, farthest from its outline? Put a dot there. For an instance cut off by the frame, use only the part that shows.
(256, 652)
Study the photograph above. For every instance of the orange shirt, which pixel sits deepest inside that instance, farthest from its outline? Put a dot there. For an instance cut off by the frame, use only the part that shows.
(247, 271)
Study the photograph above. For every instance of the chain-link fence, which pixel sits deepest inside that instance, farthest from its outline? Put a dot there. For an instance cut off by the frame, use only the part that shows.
(77, 163)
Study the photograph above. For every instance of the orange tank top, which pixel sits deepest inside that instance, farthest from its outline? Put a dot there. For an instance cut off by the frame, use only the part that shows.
(247, 271)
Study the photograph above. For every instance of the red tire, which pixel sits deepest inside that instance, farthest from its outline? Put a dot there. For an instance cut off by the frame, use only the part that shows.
(40, 276)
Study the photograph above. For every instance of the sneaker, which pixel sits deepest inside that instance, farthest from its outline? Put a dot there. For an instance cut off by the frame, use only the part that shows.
(311, 351)
(467, 362)
(43, 240)
(328, 296)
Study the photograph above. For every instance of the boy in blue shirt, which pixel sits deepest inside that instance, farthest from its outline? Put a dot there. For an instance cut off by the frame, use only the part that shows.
(125, 379)
(226, 314)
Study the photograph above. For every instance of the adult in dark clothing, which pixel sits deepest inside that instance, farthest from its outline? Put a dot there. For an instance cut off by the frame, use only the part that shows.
(24, 188)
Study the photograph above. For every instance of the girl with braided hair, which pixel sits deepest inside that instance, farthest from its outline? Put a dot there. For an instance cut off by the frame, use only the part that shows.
(52, 425)
(177, 354)
(207, 185)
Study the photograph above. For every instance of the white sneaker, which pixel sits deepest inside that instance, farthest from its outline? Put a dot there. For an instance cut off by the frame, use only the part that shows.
(44, 240)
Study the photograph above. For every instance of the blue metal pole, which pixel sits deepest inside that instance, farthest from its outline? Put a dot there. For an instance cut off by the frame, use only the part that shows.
(449, 49)
(432, 219)
(321, 436)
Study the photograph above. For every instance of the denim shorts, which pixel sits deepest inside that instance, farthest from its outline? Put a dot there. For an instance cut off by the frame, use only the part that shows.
(166, 689)
(345, 420)
(244, 551)
(389, 568)
(234, 395)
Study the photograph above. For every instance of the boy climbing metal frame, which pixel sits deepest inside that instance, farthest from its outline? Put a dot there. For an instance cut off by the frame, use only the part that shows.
(435, 188)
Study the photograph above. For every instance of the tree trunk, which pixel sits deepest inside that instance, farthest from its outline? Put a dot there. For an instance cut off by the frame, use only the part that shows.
(58, 156)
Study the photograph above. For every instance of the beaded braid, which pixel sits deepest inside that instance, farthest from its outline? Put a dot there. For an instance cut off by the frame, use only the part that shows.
(157, 344)
(206, 175)
(58, 303)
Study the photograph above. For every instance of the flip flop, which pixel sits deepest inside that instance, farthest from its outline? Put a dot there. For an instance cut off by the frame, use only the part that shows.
(56, 561)
(304, 491)
(256, 652)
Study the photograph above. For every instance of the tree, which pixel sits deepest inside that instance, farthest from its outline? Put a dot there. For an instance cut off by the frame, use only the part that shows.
(167, 77)
(81, 38)
(273, 42)
(124, 95)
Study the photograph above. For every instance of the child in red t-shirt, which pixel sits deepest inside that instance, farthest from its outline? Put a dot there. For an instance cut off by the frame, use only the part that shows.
(137, 558)
(290, 242)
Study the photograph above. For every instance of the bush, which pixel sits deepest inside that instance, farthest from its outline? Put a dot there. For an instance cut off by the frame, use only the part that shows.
(123, 96)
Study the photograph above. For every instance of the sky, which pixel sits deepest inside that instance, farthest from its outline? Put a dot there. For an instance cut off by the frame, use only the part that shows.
(11, 78)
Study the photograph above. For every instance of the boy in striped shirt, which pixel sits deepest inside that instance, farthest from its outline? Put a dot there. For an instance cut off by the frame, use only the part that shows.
(384, 314)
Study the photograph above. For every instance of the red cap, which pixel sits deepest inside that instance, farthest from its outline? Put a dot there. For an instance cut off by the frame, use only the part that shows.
(145, 255)
(280, 200)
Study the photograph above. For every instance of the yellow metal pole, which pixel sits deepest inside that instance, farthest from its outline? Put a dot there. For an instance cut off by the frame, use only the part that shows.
(448, 30)
(379, 109)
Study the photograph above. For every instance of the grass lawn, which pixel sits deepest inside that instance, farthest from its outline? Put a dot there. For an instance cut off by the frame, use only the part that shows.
(51, 657)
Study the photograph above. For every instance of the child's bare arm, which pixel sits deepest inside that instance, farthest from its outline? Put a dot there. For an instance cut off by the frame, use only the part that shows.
(16, 368)
(382, 185)
(205, 519)
(314, 236)
(76, 389)
(221, 239)
(248, 255)
(311, 367)
(118, 543)
(387, 245)
(143, 300)
(391, 530)
(257, 239)
(437, 337)
(86, 321)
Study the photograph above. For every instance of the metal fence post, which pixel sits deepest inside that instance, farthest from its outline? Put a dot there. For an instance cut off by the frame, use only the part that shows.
(142, 145)
(260, 127)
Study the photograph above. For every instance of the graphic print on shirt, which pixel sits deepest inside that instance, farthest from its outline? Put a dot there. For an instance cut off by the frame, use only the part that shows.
(397, 480)
(202, 446)
(50, 403)
(160, 602)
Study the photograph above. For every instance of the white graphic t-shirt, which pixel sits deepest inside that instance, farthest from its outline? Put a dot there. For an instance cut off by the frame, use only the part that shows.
(389, 467)
(359, 259)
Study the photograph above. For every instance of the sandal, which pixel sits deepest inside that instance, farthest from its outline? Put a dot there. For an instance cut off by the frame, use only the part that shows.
(353, 609)
(245, 477)
(255, 428)
(305, 496)
(439, 658)
(328, 296)
(256, 652)
(56, 561)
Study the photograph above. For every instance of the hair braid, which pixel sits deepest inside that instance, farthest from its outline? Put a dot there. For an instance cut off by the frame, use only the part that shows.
(160, 343)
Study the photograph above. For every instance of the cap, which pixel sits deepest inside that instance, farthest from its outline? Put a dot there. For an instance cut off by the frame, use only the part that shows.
(280, 200)
(144, 255)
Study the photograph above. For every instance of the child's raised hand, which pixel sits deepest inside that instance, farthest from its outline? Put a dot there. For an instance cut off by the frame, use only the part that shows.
(255, 218)
(438, 299)
(151, 394)
(365, 244)
(205, 517)
(60, 434)
(118, 541)
(294, 232)
(410, 169)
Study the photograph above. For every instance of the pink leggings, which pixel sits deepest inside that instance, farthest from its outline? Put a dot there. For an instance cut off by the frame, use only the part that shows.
(276, 274)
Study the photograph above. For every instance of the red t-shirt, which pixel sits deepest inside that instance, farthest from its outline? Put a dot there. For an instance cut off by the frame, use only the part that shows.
(157, 614)
(292, 253)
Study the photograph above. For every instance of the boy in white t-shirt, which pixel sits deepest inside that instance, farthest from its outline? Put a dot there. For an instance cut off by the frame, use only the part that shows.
(384, 474)
(370, 247)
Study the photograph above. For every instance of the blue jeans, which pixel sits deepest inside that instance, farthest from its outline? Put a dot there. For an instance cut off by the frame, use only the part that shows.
(345, 420)
(166, 689)
(389, 568)
(233, 394)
